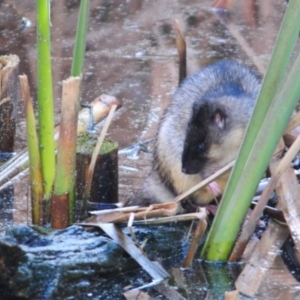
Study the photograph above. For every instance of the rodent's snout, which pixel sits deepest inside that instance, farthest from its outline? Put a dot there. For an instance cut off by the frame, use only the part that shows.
(191, 167)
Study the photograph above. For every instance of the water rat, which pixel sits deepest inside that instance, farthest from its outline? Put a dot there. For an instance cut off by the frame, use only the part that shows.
(200, 132)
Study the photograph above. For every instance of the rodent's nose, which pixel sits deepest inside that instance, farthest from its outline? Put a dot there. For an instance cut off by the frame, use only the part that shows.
(191, 167)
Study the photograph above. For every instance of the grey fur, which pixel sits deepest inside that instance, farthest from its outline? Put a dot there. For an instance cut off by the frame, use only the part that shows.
(225, 86)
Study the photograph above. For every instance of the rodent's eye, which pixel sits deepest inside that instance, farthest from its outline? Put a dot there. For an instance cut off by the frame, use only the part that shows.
(201, 147)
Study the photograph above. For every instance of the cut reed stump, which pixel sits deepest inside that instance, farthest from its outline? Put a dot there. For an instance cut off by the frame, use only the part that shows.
(104, 187)
(9, 65)
(63, 206)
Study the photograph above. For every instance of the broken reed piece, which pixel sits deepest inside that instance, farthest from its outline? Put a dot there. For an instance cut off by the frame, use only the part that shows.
(287, 191)
(136, 294)
(204, 182)
(181, 49)
(154, 269)
(232, 295)
(9, 66)
(35, 170)
(250, 225)
(151, 215)
(133, 236)
(62, 208)
(262, 259)
(198, 234)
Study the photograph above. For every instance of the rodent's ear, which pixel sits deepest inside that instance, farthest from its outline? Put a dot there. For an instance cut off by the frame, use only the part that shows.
(220, 118)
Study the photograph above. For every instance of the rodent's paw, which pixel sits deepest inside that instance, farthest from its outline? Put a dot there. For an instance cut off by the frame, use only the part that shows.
(214, 188)
(189, 205)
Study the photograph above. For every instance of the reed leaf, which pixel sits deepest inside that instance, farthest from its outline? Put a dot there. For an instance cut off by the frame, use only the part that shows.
(80, 43)
(77, 70)
(45, 96)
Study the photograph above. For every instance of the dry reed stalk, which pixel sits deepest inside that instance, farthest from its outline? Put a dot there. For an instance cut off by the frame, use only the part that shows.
(198, 234)
(64, 181)
(35, 171)
(181, 49)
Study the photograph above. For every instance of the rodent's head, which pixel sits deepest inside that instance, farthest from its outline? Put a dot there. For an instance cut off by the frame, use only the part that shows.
(206, 126)
(213, 137)
(223, 97)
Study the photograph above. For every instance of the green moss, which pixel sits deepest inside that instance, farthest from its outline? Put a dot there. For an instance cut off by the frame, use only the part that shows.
(87, 142)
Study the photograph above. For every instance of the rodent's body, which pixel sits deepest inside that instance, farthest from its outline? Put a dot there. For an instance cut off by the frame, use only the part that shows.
(200, 132)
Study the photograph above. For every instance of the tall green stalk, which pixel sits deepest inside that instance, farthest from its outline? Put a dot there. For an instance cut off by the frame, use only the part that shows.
(80, 43)
(77, 70)
(45, 96)
(250, 167)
